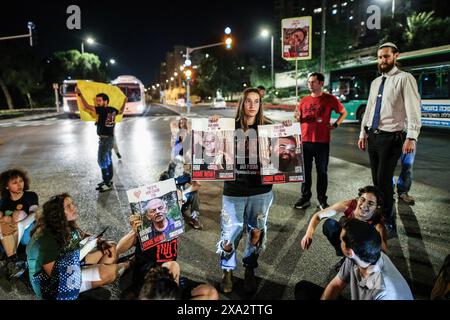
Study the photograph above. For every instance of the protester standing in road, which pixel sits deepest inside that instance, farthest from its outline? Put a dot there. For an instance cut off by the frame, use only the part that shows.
(314, 114)
(105, 130)
(391, 124)
(246, 201)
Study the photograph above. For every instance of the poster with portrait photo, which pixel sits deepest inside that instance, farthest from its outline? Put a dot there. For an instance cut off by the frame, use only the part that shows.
(281, 153)
(159, 210)
(296, 38)
(213, 149)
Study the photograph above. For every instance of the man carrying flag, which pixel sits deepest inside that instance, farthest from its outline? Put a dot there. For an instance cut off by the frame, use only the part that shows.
(106, 121)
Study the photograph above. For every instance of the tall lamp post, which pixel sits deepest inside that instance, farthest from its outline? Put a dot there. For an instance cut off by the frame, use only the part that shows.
(88, 41)
(265, 34)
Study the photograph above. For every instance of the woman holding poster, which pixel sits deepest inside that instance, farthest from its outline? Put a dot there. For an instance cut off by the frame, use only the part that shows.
(246, 201)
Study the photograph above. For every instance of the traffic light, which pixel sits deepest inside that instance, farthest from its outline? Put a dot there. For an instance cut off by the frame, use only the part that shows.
(228, 42)
(188, 73)
(228, 38)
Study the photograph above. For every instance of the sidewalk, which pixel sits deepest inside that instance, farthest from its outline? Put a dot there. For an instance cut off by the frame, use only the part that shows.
(26, 117)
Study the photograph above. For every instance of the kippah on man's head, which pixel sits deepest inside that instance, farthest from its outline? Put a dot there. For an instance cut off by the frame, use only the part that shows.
(388, 45)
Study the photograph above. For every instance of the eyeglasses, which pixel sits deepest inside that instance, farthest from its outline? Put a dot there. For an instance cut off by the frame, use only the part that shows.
(369, 203)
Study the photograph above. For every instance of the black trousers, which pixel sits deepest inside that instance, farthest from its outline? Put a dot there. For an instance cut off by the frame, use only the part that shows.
(320, 152)
(384, 151)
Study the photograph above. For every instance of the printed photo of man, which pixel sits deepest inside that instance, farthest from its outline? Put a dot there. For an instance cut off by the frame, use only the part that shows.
(285, 149)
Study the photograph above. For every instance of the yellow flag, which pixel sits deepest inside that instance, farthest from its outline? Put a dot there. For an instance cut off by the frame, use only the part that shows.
(90, 89)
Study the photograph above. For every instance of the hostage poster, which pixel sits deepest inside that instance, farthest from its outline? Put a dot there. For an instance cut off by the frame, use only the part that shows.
(213, 149)
(158, 208)
(280, 153)
(296, 38)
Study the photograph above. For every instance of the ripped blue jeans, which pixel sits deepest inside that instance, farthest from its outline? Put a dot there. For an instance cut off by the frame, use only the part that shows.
(237, 212)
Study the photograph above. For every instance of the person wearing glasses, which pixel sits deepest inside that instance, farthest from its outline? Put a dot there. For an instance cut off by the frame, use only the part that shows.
(366, 207)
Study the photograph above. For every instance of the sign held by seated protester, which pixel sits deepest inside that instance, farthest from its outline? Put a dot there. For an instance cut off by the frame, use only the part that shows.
(280, 153)
(90, 89)
(159, 211)
(213, 149)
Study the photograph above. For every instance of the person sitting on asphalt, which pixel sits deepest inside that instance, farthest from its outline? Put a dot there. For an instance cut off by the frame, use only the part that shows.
(143, 260)
(187, 187)
(53, 254)
(17, 215)
(164, 283)
(365, 208)
(369, 272)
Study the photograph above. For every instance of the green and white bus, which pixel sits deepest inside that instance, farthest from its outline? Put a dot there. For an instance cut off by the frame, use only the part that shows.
(431, 68)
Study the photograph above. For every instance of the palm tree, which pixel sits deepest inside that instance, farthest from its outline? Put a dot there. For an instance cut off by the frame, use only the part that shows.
(418, 26)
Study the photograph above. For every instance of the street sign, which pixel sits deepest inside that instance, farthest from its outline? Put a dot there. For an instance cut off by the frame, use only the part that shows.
(296, 38)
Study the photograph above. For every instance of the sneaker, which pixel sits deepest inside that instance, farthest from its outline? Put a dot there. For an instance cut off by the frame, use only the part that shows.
(323, 204)
(101, 184)
(406, 198)
(16, 269)
(105, 187)
(250, 285)
(195, 223)
(302, 203)
(226, 285)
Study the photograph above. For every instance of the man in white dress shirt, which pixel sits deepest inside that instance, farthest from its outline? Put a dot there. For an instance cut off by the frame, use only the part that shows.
(391, 124)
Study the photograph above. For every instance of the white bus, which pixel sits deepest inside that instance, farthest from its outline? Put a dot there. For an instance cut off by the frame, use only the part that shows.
(133, 88)
(69, 98)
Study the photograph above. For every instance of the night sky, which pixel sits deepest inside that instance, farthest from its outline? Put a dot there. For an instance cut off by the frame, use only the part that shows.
(137, 34)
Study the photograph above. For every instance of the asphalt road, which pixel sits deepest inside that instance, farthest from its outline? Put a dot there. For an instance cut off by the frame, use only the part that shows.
(60, 155)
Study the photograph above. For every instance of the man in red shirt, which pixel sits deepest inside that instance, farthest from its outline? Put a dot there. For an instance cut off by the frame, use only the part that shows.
(314, 113)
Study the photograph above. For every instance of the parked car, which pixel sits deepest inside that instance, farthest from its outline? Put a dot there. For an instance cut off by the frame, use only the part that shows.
(218, 103)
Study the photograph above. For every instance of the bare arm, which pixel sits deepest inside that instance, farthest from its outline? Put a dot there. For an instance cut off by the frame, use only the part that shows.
(204, 292)
(325, 213)
(193, 187)
(129, 240)
(334, 289)
(383, 234)
(86, 106)
(126, 243)
(48, 268)
(342, 117)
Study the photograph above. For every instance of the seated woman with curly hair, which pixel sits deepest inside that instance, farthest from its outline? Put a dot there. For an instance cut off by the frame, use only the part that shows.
(53, 254)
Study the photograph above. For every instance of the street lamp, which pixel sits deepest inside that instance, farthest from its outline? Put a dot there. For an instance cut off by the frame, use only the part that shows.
(89, 41)
(265, 33)
(112, 61)
(393, 6)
